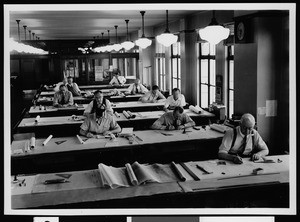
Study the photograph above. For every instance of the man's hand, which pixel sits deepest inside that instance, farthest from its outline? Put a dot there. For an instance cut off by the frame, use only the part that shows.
(89, 135)
(170, 127)
(106, 133)
(59, 106)
(255, 156)
(181, 127)
(237, 160)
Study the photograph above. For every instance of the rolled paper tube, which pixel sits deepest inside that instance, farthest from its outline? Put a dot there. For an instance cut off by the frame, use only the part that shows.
(37, 119)
(126, 114)
(188, 169)
(80, 140)
(199, 108)
(131, 174)
(117, 114)
(32, 142)
(218, 128)
(47, 140)
(193, 108)
(177, 171)
(26, 146)
(130, 113)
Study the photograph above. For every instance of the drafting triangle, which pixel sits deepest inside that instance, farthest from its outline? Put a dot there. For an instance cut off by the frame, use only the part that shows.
(60, 142)
(64, 175)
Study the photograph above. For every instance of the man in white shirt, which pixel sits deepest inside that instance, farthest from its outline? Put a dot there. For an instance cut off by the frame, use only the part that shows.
(136, 88)
(153, 96)
(63, 82)
(243, 141)
(117, 79)
(73, 87)
(176, 99)
(99, 102)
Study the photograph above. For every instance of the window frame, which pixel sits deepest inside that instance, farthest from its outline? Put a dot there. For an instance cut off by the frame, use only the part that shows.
(178, 60)
(230, 57)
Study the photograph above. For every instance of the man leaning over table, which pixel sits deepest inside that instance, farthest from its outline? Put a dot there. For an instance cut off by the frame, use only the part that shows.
(73, 87)
(243, 141)
(176, 99)
(175, 120)
(154, 96)
(99, 123)
(99, 102)
(63, 97)
(136, 87)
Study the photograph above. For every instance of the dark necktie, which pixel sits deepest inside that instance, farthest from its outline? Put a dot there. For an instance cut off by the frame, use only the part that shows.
(63, 99)
(136, 89)
(243, 145)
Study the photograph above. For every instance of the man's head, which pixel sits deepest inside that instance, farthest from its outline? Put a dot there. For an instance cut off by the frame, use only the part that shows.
(155, 89)
(177, 112)
(70, 79)
(65, 80)
(62, 88)
(176, 93)
(98, 96)
(137, 81)
(247, 123)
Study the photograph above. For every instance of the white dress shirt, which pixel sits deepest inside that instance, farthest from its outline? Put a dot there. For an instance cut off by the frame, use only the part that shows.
(114, 80)
(173, 103)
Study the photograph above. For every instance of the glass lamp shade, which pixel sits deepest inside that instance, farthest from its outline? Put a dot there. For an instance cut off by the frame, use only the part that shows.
(109, 48)
(214, 33)
(22, 48)
(127, 45)
(167, 39)
(117, 47)
(143, 42)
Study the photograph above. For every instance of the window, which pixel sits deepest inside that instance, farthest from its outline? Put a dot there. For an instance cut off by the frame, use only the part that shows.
(160, 63)
(207, 69)
(175, 66)
(230, 73)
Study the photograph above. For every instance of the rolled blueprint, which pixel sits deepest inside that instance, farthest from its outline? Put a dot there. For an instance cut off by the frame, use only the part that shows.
(195, 109)
(126, 114)
(32, 142)
(117, 114)
(219, 128)
(130, 113)
(80, 140)
(26, 146)
(131, 174)
(37, 118)
(47, 140)
(177, 171)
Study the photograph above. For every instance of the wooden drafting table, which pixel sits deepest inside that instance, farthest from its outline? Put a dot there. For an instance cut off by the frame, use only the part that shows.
(64, 125)
(147, 146)
(211, 188)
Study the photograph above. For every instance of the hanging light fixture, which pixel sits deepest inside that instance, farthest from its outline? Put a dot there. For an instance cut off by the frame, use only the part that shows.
(214, 32)
(109, 47)
(143, 42)
(167, 38)
(25, 26)
(29, 34)
(127, 45)
(18, 22)
(117, 47)
(22, 48)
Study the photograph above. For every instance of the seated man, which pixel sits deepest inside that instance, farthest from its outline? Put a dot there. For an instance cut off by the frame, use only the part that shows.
(117, 79)
(136, 87)
(99, 123)
(73, 87)
(243, 141)
(176, 99)
(99, 102)
(153, 96)
(173, 120)
(63, 97)
(63, 82)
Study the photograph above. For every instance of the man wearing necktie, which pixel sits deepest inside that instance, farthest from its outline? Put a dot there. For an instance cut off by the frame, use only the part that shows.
(243, 141)
(63, 97)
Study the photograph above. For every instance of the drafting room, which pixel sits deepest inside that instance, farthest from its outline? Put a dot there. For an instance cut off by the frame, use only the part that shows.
(148, 107)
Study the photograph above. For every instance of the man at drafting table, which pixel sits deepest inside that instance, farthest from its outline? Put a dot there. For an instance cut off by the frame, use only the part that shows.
(63, 97)
(243, 141)
(73, 87)
(99, 102)
(99, 122)
(174, 120)
(176, 99)
(136, 88)
(153, 96)
(117, 78)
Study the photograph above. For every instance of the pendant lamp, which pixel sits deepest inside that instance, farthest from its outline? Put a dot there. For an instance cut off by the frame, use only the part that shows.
(117, 47)
(143, 42)
(167, 38)
(214, 32)
(127, 45)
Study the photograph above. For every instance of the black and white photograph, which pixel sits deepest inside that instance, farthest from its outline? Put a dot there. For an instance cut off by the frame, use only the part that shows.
(141, 109)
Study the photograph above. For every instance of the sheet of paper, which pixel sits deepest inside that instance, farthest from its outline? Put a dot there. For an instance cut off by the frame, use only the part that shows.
(113, 177)
(271, 108)
(78, 180)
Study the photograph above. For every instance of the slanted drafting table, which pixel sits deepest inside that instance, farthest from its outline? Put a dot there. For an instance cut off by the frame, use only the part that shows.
(212, 188)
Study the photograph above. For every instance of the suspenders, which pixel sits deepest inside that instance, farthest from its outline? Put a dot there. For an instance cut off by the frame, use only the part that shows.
(234, 139)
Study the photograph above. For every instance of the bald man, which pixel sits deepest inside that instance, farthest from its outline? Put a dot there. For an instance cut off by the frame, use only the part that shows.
(243, 141)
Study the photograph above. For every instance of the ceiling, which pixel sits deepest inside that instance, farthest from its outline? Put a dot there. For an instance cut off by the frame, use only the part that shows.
(53, 25)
